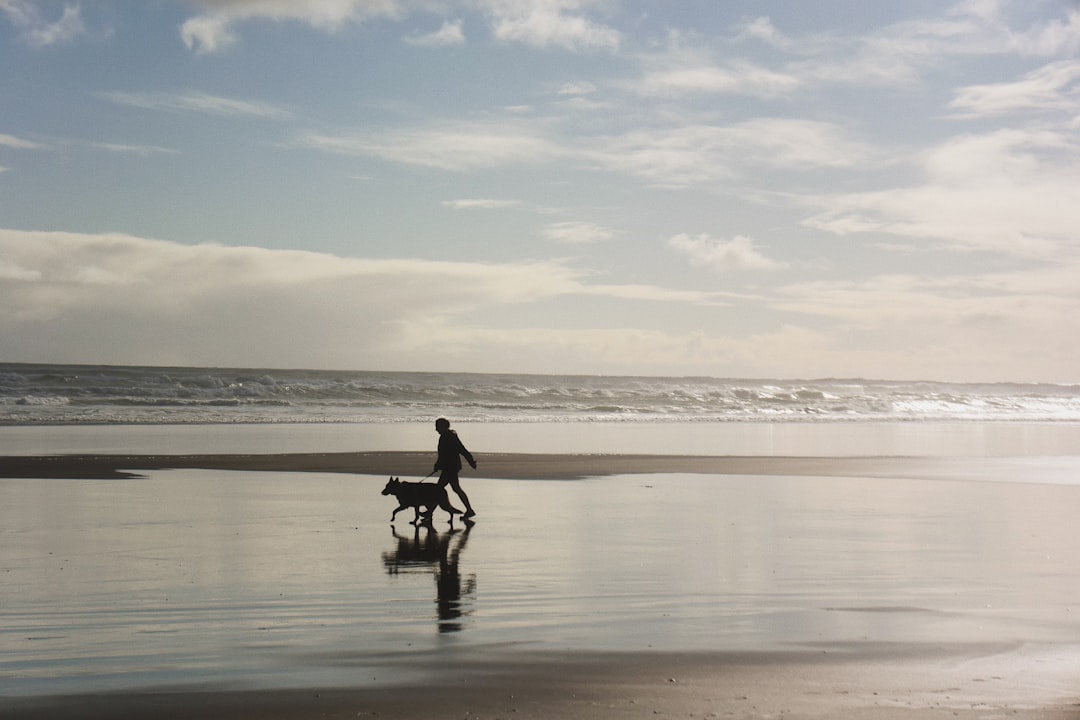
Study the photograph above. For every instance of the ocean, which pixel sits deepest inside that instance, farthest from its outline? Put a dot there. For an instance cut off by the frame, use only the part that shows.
(120, 395)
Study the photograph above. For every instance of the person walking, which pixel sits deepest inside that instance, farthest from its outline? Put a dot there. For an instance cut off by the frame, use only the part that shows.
(451, 450)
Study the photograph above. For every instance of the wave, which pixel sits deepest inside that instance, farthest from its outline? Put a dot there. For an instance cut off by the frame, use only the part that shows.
(36, 394)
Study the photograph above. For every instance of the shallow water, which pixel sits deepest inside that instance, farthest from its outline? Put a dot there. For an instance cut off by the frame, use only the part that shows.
(823, 439)
(275, 579)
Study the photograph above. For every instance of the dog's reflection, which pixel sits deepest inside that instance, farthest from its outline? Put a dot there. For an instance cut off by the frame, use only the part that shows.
(430, 551)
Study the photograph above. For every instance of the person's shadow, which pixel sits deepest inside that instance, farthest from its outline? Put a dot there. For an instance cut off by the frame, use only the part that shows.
(428, 551)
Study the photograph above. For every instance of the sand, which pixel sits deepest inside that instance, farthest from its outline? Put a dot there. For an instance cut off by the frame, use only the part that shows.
(932, 650)
(871, 682)
(492, 465)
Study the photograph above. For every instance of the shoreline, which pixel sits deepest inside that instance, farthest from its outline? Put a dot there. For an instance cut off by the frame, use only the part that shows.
(500, 466)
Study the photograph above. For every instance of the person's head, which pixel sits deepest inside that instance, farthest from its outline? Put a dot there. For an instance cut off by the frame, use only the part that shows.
(442, 425)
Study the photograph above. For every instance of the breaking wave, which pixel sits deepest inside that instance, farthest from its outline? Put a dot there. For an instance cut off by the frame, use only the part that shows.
(68, 394)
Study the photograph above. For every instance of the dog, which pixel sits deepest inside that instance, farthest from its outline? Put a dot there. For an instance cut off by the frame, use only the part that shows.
(415, 495)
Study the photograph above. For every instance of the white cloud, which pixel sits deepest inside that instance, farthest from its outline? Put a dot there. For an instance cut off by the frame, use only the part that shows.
(545, 23)
(1051, 87)
(577, 88)
(212, 31)
(11, 271)
(968, 327)
(684, 68)
(797, 144)
(18, 143)
(207, 33)
(103, 297)
(541, 23)
(457, 148)
(143, 150)
(197, 102)
(577, 233)
(450, 33)
(1011, 191)
(38, 31)
(479, 203)
(695, 155)
(723, 256)
(1054, 37)
(737, 78)
(762, 29)
(900, 53)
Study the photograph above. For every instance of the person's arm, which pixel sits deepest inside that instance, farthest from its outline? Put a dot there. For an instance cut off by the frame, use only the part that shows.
(466, 453)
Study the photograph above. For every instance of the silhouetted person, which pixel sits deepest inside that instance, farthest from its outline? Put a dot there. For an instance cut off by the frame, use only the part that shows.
(449, 462)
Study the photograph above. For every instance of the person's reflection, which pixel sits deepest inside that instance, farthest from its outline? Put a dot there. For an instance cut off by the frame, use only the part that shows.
(428, 551)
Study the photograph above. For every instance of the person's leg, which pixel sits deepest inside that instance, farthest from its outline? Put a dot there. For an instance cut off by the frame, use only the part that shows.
(455, 483)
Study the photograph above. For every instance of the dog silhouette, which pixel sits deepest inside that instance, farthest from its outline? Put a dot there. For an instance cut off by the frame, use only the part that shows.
(417, 495)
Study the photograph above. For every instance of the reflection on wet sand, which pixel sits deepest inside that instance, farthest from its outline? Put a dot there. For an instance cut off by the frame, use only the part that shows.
(429, 551)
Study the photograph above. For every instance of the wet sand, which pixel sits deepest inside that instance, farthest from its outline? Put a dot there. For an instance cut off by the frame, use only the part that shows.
(873, 588)
(869, 683)
(507, 466)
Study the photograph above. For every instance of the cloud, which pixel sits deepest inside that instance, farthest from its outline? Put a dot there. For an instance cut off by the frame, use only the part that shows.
(676, 156)
(577, 233)
(479, 204)
(113, 297)
(212, 31)
(540, 23)
(38, 31)
(763, 30)
(1051, 87)
(143, 150)
(899, 54)
(988, 326)
(583, 87)
(736, 78)
(546, 23)
(449, 34)
(12, 271)
(456, 148)
(737, 254)
(18, 143)
(197, 102)
(1012, 192)
(692, 155)
(979, 27)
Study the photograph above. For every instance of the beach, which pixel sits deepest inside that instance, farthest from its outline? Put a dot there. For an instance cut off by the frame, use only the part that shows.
(594, 585)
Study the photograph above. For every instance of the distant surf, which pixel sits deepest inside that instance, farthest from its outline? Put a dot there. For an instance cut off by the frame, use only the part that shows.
(33, 394)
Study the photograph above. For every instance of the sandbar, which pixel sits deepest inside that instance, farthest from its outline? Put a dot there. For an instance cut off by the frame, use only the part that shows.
(507, 466)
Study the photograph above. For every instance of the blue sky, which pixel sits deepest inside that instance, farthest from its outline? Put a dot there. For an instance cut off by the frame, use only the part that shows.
(754, 189)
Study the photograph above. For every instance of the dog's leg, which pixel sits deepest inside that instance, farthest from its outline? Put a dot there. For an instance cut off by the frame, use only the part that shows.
(394, 514)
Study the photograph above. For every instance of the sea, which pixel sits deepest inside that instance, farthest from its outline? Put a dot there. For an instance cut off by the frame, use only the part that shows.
(54, 409)
(111, 395)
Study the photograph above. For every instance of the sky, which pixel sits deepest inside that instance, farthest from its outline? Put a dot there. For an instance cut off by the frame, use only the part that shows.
(703, 187)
